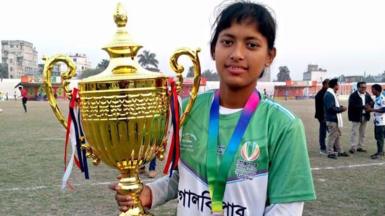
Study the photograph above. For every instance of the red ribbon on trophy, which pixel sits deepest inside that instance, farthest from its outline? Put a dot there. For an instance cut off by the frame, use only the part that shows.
(174, 152)
(74, 133)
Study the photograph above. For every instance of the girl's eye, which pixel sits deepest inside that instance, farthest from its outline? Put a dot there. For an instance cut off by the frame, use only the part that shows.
(226, 42)
(252, 45)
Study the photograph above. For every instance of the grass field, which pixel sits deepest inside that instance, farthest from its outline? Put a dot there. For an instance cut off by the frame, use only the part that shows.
(31, 167)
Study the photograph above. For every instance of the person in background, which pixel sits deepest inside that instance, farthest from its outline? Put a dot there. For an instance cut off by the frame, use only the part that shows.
(152, 173)
(320, 115)
(334, 121)
(265, 93)
(358, 100)
(379, 120)
(24, 99)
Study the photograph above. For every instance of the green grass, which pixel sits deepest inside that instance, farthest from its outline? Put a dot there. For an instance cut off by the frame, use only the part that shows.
(31, 167)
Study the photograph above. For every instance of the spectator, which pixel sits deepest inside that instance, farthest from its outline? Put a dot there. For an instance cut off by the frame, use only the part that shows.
(379, 120)
(358, 100)
(320, 115)
(334, 121)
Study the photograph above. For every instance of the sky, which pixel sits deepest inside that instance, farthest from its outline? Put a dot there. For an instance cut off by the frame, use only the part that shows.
(342, 36)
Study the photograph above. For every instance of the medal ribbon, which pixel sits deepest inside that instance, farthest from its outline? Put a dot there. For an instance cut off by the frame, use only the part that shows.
(217, 176)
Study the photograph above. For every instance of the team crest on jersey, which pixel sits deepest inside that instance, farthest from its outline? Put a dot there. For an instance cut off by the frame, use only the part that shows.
(188, 141)
(189, 138)
(250, 151)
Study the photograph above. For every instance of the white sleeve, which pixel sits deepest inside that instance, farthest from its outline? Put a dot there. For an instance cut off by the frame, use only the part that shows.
(164, 189)
(287, 209)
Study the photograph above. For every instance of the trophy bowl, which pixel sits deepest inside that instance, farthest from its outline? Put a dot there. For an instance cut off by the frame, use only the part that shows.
(124, 109)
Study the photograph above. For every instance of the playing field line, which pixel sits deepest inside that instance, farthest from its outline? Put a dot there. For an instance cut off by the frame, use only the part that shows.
(149, 180)
(347, 166)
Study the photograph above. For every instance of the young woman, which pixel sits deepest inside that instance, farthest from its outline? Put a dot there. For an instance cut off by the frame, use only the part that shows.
(241, 154)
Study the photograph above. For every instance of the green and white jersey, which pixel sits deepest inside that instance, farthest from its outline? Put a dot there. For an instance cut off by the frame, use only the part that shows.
(271, 165)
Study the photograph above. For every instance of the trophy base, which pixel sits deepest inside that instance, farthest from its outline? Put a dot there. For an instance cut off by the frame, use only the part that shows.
(135, 212)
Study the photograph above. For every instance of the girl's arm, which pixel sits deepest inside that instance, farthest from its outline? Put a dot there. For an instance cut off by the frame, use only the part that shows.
(164, 189)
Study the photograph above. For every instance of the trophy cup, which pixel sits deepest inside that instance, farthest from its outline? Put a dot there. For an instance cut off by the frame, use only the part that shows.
(124, 109)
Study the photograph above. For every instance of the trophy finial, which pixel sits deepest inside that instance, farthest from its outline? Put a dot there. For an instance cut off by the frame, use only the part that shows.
(122, 43)
(120, 16)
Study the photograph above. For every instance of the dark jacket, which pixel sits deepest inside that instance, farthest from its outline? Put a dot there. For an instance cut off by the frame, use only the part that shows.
(330, 108)
(356, 108)
(319, 105)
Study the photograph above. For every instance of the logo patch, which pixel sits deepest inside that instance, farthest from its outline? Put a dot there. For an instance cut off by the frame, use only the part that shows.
(188, 141)
(250, 151)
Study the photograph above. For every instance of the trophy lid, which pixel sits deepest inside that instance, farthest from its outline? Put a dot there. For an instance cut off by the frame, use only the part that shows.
(122, 51)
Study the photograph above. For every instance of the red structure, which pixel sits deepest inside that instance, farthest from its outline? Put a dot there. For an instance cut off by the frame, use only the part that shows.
(187, 86)
(35, 88)
(308, 89)
(296, 89)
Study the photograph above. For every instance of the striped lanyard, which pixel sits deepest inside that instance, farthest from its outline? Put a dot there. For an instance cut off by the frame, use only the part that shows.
(217, 173)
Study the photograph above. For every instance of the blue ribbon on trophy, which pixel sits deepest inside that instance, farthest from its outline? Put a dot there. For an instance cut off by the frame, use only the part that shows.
(75, 134)
(174, 152)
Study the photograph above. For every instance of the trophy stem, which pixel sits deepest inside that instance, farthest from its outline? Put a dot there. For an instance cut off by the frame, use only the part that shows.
(131, 184)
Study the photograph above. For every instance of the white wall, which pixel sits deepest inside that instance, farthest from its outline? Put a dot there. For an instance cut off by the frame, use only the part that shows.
(8, 86)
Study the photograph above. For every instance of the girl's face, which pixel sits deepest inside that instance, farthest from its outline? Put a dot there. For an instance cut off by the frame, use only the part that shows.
(241, 54)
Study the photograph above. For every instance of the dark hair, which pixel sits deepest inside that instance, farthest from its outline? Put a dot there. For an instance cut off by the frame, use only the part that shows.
(377, 87)
(245, 11)
(325, 82)
(360, 83)
(333, 82)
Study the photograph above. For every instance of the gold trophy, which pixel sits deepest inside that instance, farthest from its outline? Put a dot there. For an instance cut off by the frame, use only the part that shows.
(124, 109)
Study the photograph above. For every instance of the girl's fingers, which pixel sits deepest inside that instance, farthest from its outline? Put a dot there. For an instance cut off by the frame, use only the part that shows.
(123, 198)
(113, 186)
(126, 203)
(123, 208)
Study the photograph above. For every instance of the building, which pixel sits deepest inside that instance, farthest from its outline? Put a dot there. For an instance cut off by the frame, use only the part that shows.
(350, 79)
(314, 73)
(55, 70)
(81, 61)
(20, 57)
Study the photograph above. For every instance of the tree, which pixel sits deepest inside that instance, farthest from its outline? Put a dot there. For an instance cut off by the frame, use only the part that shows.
(148, 60)
(90, 72)
(99, 68)
(103, 64)
(383, 77)
(190, 72)
(3, 71)
(283, 74)
(369, 79)
(210, 75)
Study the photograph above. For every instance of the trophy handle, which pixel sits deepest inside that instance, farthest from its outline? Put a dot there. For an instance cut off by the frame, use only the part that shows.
(71, 72)
(193, 54)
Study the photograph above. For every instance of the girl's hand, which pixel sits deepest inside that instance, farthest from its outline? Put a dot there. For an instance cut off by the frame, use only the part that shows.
(125, 201)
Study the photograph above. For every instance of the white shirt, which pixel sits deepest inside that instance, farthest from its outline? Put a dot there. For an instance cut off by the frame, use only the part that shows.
(379, 118)
(362, 98)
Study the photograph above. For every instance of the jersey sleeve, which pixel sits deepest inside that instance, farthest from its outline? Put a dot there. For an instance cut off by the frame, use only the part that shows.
(290, 178)
(164, 189)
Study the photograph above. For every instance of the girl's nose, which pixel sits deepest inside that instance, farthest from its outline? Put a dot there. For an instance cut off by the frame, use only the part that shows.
(237, 53)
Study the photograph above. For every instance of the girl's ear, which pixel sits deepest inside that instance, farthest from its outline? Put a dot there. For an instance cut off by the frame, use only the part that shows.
(271, 55)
